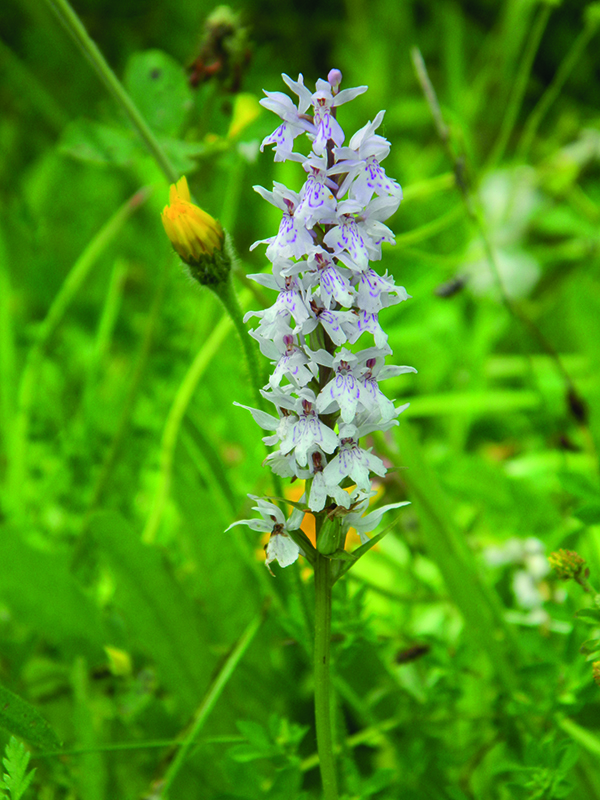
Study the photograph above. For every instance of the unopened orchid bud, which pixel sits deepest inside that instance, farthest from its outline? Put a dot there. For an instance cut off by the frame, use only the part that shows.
(334, 78)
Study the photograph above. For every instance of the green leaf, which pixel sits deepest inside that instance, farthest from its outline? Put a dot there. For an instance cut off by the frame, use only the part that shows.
(592, 14)
(448, 547)
(293, 503)
(52, 603)
(99, 144)
(243, 753)
(589, 513)
(589, 613)
(578, 485)
(258, 745)
(159, 88)
(255, 734)
(19, 717)
(590, 646)
(184, 155)
(15, 779)
(364, 548)
(305, 543)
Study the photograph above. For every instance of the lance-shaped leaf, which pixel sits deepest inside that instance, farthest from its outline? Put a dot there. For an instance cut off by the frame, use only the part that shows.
(21, 718)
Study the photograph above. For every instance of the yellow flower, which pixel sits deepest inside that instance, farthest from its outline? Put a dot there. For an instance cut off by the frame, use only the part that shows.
(193, 233)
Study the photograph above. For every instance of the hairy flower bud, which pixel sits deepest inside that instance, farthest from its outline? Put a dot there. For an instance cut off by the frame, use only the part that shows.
(196, 237)
(568, 565)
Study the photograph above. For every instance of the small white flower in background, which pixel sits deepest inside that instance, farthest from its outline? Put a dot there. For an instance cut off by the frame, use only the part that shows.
(528, 557)
(326, 395)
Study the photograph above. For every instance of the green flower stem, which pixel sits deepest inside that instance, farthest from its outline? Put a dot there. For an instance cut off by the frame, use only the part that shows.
(74, 26)
(226, 294)
(325, 745)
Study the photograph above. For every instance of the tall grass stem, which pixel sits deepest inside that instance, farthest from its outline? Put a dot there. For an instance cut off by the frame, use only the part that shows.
(69, 19)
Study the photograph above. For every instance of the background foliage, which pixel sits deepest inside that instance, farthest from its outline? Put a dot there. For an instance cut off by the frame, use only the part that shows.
(128, 619)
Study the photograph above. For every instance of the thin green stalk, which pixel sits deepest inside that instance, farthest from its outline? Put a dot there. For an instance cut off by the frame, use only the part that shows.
(30, 376)
(586, 738)
(226, 294)
(148, 744)
(27, 86)
(325, 746)
(432, 228)
(516, 99)
(7, 350)
(562, 73)
(210, 699)
(428, 187)
(104, 331)
(74, 26)
(141, 361)
(173, 424)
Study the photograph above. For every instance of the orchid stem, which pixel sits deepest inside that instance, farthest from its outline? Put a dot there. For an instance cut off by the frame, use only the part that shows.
(325, 746)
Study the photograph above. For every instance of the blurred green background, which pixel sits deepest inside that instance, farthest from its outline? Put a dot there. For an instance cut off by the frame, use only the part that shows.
(458, 672)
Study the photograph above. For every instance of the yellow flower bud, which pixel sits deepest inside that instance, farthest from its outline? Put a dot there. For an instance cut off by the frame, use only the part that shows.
(596, 672)
(194, 234)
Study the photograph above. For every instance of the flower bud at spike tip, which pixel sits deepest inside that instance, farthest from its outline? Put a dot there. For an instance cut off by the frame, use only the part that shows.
(596, 672)
(334, 78)
(196, 237)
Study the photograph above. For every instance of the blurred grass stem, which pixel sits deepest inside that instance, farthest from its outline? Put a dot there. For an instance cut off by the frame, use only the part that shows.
(177, 412)
(511, 113)
(558, 81)
(69, 19)
(211, 697)
(30, 375)
(7, 351)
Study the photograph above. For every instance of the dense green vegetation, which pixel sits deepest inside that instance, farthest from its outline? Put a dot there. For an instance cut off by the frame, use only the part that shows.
(144, 652)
